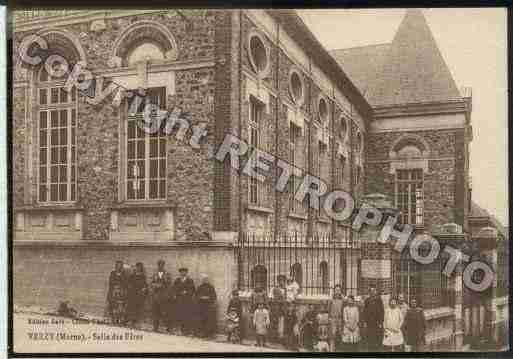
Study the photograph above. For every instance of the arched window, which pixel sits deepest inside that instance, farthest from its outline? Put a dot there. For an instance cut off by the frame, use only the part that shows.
(259, 277)
(145, 52)
(56, 126)
(296, 272)
(324, 277)
(409, 151)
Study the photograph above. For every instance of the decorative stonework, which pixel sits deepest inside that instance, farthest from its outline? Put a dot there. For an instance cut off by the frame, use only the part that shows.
(98, 25)
(145, 31)
(142, 224)
(48, 224)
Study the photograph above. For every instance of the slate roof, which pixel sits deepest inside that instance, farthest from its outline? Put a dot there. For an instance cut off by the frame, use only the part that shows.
(410, 69)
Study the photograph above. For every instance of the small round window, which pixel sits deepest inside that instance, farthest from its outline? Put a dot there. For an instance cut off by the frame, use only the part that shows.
(296, 87)
(258, 54)
(323, 110)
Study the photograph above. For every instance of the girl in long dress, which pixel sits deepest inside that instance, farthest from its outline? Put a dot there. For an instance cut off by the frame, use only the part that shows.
(351, 329)
(261, 321)
(393, 336)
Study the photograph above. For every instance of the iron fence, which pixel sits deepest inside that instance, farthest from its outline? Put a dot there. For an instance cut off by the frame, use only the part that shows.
(502, 268)
(424, 282)
(316, 263)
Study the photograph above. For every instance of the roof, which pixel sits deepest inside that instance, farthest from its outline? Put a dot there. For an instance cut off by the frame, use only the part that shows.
(410, 69)
(478, 211)
(362, 63)
(299, 31)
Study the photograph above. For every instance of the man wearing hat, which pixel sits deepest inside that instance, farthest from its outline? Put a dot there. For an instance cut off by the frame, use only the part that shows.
(206, 298)
(184, 306)
(160, 285)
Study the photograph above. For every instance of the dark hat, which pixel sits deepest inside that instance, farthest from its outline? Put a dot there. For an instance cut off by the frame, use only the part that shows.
(182, 269)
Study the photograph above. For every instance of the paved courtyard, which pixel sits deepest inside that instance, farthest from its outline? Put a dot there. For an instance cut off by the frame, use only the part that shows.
(49, 334)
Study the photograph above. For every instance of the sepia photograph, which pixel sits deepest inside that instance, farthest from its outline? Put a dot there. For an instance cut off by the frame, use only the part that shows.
(259, 180)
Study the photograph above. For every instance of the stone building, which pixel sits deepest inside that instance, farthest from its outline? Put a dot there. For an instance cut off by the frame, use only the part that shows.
(91, 187)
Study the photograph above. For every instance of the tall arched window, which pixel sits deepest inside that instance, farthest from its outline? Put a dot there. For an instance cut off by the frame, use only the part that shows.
(259, 277)
(56, 124)
(296, 272)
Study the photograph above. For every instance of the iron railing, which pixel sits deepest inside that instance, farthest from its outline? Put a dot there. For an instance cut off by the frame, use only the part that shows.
(316, 263)
(424, 282)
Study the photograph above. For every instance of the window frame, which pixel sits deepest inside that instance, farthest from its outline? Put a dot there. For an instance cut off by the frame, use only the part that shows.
(255, 187)
(69, 106)
(126, 118)
(409, 182)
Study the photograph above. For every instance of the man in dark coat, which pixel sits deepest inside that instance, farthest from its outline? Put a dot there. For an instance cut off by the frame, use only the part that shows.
(278, 303)
(414, 327)
(184, 302)
(373, 316)
(161, 285)
(137, 292)
(206, 299)
(116, 294)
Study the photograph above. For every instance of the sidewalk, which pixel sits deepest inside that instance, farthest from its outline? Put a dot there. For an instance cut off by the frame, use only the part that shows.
(36, 333)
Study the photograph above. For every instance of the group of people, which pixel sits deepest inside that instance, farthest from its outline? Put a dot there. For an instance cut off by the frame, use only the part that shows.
(344, 323)
(179, 305)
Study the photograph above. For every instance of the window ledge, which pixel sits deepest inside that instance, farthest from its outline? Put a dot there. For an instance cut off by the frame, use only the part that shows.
(324, 220)
(50, 207)
(259, 209)
(142, 205)
(297, 216)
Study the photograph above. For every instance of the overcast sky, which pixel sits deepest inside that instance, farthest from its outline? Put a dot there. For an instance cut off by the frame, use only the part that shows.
(473, 44)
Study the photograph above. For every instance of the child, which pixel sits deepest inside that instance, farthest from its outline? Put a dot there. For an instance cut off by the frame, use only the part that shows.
(291, 327)
(232, 325)
(308, 328)
(118, 305)
(236, 305)
(323, 326)
(261, 321)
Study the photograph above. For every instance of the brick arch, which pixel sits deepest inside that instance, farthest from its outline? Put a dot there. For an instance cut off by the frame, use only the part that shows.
(139, 33)
(409, 139)
(64, 43)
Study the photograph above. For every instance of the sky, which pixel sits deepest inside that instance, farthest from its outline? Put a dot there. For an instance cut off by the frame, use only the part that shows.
(473, 43)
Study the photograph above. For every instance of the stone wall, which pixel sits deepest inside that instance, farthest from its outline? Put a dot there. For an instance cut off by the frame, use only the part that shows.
(48, 273)
(190, 172)
(442, 202)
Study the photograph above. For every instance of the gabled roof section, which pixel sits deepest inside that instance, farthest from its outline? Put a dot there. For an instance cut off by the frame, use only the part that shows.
(415, 70)
(363, 64)
(410, 69)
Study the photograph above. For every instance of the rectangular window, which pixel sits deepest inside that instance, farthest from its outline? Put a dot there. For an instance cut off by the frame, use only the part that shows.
(294, 145)
(409, 196)
(146, 153)
(57, 155)
(256, 141)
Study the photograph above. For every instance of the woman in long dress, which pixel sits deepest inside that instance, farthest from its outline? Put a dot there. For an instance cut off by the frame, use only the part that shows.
(351, 329)
(393, 336)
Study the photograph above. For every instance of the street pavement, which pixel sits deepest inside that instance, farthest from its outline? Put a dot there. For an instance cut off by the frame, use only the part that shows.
(35, 333)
